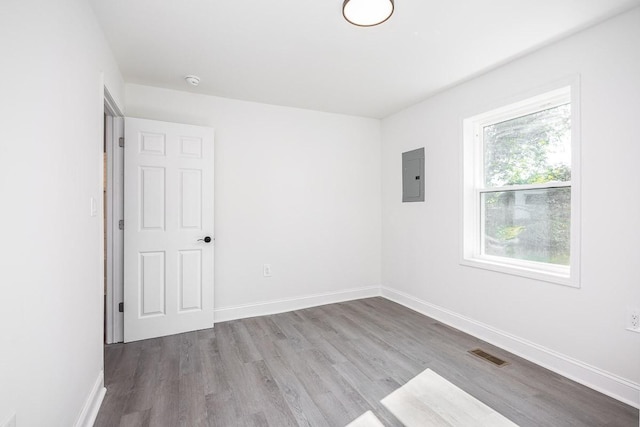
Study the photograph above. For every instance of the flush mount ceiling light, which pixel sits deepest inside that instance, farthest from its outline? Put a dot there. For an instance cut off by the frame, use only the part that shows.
(367, 13)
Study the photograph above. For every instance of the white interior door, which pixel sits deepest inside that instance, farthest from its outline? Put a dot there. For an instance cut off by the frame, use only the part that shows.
(168, 217)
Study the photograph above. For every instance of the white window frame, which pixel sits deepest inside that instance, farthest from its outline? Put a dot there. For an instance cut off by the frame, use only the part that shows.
(473, 183)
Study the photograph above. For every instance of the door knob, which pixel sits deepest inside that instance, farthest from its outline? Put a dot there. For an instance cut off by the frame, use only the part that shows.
(207, 239)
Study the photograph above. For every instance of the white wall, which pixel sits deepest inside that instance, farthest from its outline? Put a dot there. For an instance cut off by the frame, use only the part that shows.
(294, 188)
(53, 57)
(550, 323)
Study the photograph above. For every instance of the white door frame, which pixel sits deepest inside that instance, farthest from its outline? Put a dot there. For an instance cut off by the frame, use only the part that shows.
(114, 130)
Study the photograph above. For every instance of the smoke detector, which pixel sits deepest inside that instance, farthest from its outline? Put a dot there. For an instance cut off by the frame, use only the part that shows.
(192, 80)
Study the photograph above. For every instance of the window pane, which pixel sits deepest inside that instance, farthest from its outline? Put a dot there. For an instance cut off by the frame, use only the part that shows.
(531, 225)
(530, 149)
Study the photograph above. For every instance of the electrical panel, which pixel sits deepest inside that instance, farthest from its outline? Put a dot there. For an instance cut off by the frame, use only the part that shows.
(413, 176)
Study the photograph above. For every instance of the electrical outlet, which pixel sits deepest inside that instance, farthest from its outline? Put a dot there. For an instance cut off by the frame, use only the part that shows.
(266, 270)
(635, 319)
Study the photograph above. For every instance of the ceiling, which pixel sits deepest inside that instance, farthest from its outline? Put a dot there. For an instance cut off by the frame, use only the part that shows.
(302, 53)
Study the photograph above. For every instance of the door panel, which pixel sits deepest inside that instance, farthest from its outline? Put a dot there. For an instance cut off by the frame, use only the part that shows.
(191, 198)
(152, 198)
(151, 284)
(190, 280)
(168, 267)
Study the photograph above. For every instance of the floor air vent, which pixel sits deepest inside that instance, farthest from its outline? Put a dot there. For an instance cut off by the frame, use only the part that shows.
(489, 357)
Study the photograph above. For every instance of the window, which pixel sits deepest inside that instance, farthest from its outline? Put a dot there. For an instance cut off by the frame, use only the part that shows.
(520, 197)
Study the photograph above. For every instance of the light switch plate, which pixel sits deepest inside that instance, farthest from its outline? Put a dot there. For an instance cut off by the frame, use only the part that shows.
(93, 203)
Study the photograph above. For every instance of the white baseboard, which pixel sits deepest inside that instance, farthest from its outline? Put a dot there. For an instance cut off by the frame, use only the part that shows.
(281, 306)
(91, 407)
(590, 376)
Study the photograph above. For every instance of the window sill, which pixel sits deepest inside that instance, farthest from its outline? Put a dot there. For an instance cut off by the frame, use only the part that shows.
(529, 272)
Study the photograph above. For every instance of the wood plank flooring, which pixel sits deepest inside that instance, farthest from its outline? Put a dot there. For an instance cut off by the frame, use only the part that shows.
(327, 366)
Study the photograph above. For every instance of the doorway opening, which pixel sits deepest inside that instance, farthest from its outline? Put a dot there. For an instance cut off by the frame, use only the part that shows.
(113, 178)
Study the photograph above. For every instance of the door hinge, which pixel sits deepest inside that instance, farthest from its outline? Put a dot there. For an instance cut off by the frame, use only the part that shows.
(121, 142)
(121, 307)
(121, 224)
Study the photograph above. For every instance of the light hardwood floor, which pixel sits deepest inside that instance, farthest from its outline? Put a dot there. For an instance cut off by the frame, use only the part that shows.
(327, 366)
